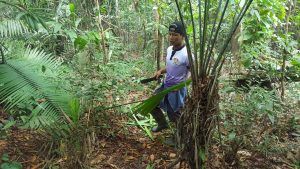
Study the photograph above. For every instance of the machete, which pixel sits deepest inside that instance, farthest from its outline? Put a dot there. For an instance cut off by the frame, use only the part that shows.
(150, 79)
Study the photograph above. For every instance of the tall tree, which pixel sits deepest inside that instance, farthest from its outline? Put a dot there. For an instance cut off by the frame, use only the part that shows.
(157, 35)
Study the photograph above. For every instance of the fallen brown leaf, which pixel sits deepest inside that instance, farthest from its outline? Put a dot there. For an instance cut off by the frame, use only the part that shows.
(142, 140)
(172, 155)
(129, 158)
(102, 143)
(36, 166)
(110, 160)
(152, 157)
(98, 159)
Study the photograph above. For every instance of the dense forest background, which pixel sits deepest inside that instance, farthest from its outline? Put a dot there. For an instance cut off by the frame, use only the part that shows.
(70, 74)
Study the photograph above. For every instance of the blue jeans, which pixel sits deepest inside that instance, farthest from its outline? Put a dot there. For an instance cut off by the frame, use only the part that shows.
(172, 102)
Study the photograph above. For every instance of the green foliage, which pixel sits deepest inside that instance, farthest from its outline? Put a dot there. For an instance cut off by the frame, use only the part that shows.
(72, 7)
(80, 43)
(262, 17)
(108, 84)
(150, 166)
(202, 155)
(8, 124)
(33, 17)
(143, 127)
(296, 62)
(254, 113)
(7, 164)
(265, 42)
(74, 110)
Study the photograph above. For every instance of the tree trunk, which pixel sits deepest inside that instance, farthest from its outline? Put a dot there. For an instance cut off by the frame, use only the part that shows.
(235, 47)
(117, 7)
(157, 37)
(145, 34)
(158, 54)
(196, 123)
(101, 33)
(285, 53)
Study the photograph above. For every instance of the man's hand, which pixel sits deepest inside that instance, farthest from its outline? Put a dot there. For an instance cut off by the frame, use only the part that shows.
(159, 72)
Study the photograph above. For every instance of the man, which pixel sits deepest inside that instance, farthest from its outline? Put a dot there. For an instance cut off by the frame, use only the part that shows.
(177, 70)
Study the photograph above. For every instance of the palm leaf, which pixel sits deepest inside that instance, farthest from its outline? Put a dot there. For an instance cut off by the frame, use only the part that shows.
(39, 58)
(148, 105)
(40, 117)
(10, 28)
(20, 83)
(31, 16)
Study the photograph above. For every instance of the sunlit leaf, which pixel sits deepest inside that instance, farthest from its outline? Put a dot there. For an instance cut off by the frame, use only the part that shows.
(80, 43)
(72, 7)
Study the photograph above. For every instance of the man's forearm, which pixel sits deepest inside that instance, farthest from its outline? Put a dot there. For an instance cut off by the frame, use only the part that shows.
(163, 70)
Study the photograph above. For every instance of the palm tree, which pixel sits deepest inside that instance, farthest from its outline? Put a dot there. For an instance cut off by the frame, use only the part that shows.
(198, 119)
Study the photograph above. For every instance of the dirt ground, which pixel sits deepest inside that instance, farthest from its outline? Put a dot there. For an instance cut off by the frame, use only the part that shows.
(127, 147)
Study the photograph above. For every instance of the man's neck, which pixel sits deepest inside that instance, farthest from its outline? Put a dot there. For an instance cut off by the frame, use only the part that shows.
(178, 47)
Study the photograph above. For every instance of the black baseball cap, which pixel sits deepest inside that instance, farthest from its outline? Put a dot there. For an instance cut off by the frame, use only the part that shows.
(177, 27)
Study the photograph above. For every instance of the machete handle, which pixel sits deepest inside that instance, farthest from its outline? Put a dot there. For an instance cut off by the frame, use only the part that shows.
(150, 79)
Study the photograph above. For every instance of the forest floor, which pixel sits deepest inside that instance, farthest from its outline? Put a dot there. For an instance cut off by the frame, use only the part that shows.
(125, 148)
(121, 148)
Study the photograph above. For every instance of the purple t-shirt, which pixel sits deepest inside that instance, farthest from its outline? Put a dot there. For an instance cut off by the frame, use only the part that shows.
(177, 68)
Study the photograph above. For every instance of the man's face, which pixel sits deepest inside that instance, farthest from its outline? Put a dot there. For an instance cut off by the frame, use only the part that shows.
(175, 39)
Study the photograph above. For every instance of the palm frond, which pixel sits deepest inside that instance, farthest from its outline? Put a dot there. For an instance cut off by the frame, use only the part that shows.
(41, 118)
(10, 28)
(39, 58)
(148, 105)
(31, 16)
(20, 82)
